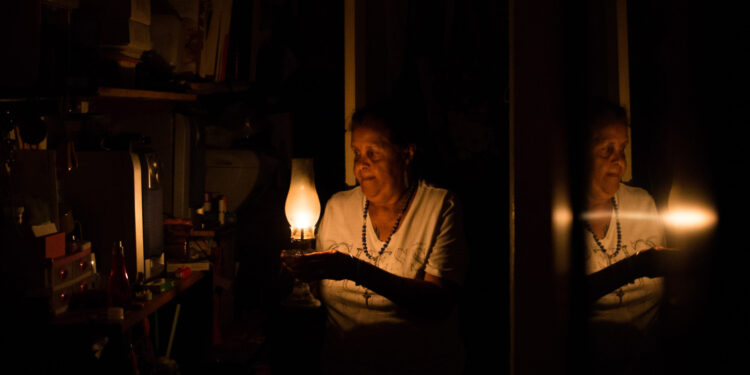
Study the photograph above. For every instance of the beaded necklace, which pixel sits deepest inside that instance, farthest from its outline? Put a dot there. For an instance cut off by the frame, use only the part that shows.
(395, 226)
(619, 236)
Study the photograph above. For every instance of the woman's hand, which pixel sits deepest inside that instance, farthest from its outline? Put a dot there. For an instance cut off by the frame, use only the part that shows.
(319, 265)
(658, 261)
(428, 297)
(653, 262)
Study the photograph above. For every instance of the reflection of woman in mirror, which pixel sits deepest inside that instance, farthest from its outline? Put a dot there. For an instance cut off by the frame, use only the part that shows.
(624, 249)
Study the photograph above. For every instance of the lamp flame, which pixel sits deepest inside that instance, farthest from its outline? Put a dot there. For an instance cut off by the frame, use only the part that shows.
(302, 203)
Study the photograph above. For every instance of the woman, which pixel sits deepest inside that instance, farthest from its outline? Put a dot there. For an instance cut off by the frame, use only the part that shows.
(390, 262)
(624, 252)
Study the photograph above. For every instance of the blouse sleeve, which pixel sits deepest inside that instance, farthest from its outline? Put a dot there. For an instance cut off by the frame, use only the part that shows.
(447, 258)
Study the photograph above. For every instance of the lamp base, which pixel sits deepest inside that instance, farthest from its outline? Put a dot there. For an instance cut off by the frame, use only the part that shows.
(302, 246)
(301, 296)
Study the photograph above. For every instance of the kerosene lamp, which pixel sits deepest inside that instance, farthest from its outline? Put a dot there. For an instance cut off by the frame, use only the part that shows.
(302, 211)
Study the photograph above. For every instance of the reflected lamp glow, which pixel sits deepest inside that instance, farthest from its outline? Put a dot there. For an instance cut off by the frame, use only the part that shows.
(680, 217)
(562, 220)
(689, 218)
(302, 203)
(688, 210)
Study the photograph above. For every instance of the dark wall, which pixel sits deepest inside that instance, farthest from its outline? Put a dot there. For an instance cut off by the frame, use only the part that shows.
(689, 78)
(19, 72)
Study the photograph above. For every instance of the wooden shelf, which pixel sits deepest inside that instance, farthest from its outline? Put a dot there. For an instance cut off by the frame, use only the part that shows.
(62, 4)
(132, 317)
(208, 88)
(111, 92)
(202, 233)
(120, 93)
(135, 316)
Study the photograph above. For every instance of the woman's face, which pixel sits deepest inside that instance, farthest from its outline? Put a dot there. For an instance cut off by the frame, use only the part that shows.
(607, 160)
(378, 164)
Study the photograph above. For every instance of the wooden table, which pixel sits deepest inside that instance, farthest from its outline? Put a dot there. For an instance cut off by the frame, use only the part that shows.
(133, 316)
(75, 331)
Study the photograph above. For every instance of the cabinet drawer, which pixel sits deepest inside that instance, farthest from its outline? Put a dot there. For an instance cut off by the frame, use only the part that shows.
(69, 268)
(60, 296)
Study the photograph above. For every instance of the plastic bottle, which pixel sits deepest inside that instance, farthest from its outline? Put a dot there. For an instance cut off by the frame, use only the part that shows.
(119, 293)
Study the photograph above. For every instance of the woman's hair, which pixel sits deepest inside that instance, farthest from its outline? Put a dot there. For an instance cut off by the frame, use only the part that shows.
(602, 113)
(395, 118)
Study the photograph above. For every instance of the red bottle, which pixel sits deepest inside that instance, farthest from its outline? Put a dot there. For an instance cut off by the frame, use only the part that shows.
(118, 287)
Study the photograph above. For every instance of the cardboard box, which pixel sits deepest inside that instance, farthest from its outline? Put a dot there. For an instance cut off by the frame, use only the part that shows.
(52, 245)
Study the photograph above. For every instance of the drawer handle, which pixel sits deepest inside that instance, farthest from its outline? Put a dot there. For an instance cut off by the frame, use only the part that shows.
(82, 286)
(62, 274)
(83, 265)
(63, 296)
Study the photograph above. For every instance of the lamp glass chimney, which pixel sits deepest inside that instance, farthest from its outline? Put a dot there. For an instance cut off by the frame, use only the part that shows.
(302, 203)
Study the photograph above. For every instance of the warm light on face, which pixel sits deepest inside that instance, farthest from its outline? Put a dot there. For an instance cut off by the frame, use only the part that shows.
(689, 218)
(302, 204)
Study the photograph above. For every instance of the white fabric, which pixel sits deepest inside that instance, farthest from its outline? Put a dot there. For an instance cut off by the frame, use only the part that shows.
(641, 228)
(373, 335)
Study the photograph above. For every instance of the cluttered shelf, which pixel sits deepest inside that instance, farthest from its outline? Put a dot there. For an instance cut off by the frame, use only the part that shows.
(113, 92)
(195, 90)
(140, 311)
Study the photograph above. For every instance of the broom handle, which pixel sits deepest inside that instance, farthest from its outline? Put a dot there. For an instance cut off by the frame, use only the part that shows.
(174, 328)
